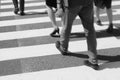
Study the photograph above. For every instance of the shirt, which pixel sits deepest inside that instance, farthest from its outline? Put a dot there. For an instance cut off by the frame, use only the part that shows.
(74, 3)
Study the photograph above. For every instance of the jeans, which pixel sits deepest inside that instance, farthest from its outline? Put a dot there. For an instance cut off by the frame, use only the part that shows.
(86, 15)
(15, 2)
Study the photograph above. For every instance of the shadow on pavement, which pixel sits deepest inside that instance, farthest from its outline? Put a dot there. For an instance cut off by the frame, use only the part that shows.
(50, 62)
(35, 13)
(110, 65)
(40, 63)
(100, 34)
(108, 61)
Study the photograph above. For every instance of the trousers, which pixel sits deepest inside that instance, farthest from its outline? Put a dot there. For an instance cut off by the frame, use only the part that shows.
(16, 5)
(86, 15)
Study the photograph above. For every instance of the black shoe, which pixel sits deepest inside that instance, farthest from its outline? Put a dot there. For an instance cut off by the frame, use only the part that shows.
(110, 28)
(60, 48)
(22, 13)
(99, 23)
(16, 11)
(92, 65)
(54, 32)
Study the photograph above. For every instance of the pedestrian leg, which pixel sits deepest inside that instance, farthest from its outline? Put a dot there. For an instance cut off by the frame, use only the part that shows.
(16, 8)
(22, 7)
(67, 25)
(87, 19)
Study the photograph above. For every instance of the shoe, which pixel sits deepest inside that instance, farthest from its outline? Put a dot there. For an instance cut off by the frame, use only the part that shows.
(54, 32)
(16, 11)
(92, 65)
(99, 23)
(22, 13)
(110, 28)
(60, 48)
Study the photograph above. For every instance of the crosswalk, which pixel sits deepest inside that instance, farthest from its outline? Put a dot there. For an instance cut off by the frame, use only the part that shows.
(27, 51)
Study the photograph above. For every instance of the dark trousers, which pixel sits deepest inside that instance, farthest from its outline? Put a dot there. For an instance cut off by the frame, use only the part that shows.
(86, 15)
(16, 5)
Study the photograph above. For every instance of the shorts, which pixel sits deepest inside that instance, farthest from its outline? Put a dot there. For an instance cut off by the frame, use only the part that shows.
(51, 3)
(107, 3)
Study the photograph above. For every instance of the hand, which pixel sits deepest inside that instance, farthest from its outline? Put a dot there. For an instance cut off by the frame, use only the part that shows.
(59, 12)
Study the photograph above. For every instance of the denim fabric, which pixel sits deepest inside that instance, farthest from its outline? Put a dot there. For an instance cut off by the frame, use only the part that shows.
(85, 12)
(74, 3)
(15, 2)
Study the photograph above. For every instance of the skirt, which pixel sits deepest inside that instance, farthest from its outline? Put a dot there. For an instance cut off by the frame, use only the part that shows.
(51, 3)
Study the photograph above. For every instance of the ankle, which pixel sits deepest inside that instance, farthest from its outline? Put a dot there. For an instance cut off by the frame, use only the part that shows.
(56, 28)
(99, 22)
(93, 61)
(111, 25)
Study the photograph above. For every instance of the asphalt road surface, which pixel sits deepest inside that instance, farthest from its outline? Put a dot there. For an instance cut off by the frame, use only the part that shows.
(27, 52)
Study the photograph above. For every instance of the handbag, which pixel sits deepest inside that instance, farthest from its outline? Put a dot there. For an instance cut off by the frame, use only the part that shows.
(99, 3)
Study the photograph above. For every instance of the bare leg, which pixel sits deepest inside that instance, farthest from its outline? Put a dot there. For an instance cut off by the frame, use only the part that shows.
(109, 14)
(52, 17)
(97, 12)
(110, 18)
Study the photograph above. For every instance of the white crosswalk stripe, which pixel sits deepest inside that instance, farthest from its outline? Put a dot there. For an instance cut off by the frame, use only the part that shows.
(27, 5)
(28, 49)
(41, 32)
(5, 14)
(33, 51)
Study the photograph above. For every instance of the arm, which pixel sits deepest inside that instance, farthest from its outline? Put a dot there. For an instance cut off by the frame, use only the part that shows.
(66, 3)
(60, 5)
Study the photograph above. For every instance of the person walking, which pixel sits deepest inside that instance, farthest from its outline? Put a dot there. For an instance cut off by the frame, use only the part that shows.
(107, 4)
(84, 9)
(51, 5)
(17, 8)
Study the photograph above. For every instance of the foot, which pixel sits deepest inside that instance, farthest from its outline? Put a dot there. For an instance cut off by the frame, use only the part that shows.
(22, 13)
(110, 28)
(16, 11)
(61, 49)
(92, 65)
(99, 23)
(54, 32)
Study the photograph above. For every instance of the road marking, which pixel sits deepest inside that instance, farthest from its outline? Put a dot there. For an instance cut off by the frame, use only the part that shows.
(39, 50)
